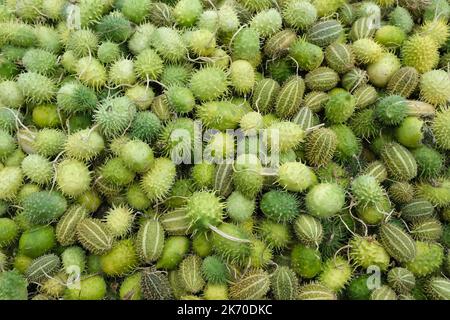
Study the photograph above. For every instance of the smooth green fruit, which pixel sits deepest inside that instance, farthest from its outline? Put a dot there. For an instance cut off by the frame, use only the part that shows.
(279, 206)
(284, 284)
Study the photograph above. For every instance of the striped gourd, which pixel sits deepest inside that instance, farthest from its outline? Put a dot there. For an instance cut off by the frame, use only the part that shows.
(176, 222)
(320, 146)
(308, 230)
(315, 100)
(417, 209)
(427, 229)
(315, 291)
(94, 235)
(223, 179)
(323, 33)
(66, 228)
(290, 97)
(438, 288)
(264, 95)
(155, 285)
(383, 293)
(399, 162)
(428, 260)
(150, 240)
(43, 267)
(397, 242)
(365, 95)
(278, 45)
(284, 284)
(190, 274)
(363, 28)
(321, 79)
(401, 279)
(305, 118)
(347, 13)
(340, 57)
(254, 285)
(403, 82)
(377, 170)
(354, 79)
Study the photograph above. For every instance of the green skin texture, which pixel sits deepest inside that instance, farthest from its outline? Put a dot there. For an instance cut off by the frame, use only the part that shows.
(37, 241)
(325, 200)
(357, 289)
(91, 288)
(174, 250)
(13, 286)
(279, 206)
(8, 231)
(306, 262)
(130, 288)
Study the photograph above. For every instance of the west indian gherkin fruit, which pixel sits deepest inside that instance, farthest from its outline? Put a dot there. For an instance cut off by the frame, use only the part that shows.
(224, 149)
(397, 242)
(399, 162)
(367, 252)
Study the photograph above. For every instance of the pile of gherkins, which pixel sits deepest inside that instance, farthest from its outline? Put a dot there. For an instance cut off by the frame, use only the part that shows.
(224, 149)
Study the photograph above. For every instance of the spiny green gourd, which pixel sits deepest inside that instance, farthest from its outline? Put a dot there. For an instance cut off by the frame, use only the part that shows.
(309, 230)
(316, 291)
(428, 259)
(43, 267)
(231, 243)
(240, 149)
(279, 206)
(438, 288)
(383, 293)
(276, 235)
(401, 280)
(94, 235)
(284, 284)
(397, 242)
(120, 260)
(190, 274)
(420, 52)
(289, 97)
(427, 230)
(336, 273)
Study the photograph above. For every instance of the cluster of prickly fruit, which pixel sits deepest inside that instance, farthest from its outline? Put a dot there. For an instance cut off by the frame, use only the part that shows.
(224, 149)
